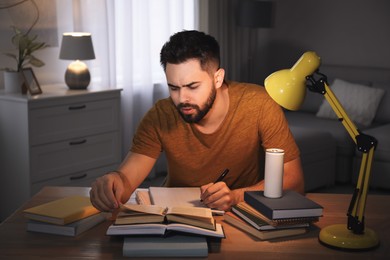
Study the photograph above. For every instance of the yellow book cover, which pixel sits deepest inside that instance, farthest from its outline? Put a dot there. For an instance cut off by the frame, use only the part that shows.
(62, 211)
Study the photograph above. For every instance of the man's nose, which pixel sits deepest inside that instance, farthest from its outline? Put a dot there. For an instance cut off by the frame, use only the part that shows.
(184, 95)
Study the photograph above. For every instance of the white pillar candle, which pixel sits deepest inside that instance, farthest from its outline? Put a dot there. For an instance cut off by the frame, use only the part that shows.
(273, 173)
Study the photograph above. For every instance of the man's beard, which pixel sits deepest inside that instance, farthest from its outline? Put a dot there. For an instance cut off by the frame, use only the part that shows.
(199, 113)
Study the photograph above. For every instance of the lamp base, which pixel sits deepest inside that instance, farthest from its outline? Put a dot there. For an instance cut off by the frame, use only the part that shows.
(77, 75)
(340, 237)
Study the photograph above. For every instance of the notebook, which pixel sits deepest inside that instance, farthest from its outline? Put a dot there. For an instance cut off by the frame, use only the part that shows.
(290, 205)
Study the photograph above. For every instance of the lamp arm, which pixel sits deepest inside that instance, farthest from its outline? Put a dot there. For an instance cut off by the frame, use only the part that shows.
(364, 143)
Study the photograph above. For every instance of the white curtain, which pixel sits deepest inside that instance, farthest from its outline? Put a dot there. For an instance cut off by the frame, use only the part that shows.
(127, 37)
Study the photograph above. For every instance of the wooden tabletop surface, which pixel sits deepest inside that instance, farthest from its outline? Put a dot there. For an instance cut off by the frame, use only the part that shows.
(17, 243)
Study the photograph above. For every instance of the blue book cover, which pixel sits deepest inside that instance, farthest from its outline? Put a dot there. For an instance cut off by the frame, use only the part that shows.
(173, 245)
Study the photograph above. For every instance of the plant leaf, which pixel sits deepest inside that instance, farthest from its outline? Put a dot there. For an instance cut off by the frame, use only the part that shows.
(11, 55)
(36, 62)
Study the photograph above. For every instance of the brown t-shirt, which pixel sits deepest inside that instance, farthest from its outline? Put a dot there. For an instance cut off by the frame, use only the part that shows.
(253, 123)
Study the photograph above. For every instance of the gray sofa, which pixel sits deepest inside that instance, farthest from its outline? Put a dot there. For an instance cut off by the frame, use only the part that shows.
(308, 128)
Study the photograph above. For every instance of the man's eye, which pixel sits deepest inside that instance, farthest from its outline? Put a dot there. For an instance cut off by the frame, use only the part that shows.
(173, 88)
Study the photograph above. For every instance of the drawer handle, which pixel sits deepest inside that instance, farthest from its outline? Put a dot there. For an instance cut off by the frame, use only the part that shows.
(82, 176)
(78, 142)
(77, 107)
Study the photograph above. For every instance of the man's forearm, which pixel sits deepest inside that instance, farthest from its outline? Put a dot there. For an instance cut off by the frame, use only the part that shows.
(239, 193)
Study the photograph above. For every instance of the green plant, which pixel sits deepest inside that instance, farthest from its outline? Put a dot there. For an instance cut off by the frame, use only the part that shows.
(25, 46)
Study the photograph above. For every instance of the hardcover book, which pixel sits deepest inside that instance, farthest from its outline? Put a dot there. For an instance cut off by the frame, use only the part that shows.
(290, 205)
(260, 234)
(62, 211)
(163, 230)
(176, 245)
(72, 229)
(261, 224)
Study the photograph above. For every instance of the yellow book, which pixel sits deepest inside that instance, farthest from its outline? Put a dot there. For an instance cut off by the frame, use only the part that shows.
(62, 211)
(142, 214)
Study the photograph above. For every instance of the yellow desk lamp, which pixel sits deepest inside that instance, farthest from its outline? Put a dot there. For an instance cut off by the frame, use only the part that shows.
(288, 88)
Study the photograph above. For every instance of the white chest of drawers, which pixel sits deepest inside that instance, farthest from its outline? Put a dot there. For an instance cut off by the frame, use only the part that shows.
(62, 137)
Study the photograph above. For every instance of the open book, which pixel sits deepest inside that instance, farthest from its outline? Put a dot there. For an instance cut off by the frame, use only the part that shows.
(141, 214)
(163, 229)
(172, 197)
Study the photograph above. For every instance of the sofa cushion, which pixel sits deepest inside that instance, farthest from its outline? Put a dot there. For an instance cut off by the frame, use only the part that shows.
(381, 133)
(318, 155)
(345, 146)
(360, 102)
(312, 102)
(380, 177)
(309, 121)
(383, 112)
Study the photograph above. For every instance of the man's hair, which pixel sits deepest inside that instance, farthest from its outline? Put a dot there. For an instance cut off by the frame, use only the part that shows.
(186, 45)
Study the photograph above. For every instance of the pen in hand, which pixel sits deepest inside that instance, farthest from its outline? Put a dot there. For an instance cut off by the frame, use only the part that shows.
(220, 178)
(223, 174)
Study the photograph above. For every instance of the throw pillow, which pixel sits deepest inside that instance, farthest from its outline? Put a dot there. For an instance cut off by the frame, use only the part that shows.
(360, 102)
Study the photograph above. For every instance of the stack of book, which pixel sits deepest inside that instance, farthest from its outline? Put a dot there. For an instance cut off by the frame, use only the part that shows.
(151, 230)
(267, 218)
(156, 220)
(166, 222)
(69, 216)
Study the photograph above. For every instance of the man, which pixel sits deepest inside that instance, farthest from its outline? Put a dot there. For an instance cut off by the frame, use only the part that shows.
(206, 126)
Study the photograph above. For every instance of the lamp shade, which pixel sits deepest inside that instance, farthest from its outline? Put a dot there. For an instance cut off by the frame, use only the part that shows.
(288, 87)
(77, 46)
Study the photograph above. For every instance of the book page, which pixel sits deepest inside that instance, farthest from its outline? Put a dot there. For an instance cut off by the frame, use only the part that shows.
(139, 219)
(208, 223)
(218, 232)
(142, 197)
(247, 208)
(174, 197)
(149, 209)
(202, 213)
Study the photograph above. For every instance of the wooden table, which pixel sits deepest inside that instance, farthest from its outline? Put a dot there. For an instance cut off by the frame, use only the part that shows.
(17, 243)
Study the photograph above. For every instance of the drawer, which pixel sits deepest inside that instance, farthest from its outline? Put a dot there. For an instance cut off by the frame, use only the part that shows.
(55, 123)
(62, 158)
(79, 179)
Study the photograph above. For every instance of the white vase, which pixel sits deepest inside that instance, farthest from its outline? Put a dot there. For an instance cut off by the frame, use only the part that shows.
(13, 82)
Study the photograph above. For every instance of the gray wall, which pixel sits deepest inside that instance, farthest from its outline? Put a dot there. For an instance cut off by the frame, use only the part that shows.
(342, 32)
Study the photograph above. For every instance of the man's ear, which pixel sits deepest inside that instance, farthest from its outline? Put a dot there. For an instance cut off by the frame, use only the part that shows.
(219, 77)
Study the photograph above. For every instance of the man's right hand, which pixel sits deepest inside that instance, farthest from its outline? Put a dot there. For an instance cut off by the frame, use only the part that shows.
(108, 192)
